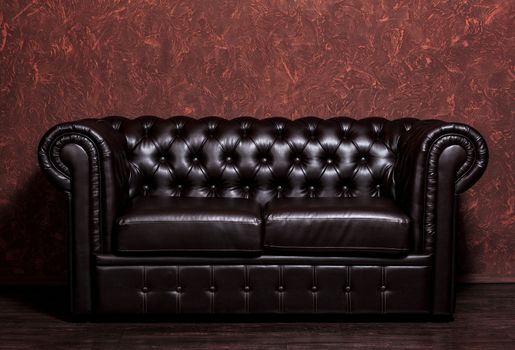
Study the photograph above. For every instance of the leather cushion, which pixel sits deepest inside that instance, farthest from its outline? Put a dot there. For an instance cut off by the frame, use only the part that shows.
(336, 224)
(166, 224)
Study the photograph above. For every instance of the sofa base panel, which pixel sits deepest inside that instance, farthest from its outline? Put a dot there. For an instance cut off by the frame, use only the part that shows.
(262, 289)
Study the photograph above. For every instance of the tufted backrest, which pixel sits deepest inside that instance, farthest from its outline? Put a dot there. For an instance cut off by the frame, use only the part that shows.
(261, 159)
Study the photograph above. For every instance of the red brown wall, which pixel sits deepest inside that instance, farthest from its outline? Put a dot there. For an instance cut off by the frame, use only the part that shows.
(65, 60)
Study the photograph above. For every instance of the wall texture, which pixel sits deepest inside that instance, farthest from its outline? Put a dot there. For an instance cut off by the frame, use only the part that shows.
(69, 59)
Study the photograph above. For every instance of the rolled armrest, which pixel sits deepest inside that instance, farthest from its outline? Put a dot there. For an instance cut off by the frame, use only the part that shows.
(104, 179)
(431, 153)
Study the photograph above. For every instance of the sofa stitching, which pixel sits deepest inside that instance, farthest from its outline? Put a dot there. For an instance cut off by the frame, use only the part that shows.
(331, 247)
(271, 217)
(151, 222)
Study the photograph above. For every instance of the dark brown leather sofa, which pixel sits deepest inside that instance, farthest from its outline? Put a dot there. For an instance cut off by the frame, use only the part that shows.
(208, 215)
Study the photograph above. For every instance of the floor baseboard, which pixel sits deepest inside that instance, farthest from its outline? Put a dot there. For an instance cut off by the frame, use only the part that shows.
(481, 278)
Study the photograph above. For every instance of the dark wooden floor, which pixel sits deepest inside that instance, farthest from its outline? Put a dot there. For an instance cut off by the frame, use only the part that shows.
(34, 318)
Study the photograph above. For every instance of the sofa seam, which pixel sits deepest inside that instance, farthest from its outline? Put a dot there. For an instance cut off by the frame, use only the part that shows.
(333, 248)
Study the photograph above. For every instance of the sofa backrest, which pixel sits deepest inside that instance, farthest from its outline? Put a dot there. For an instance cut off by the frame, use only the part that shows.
(261, 159)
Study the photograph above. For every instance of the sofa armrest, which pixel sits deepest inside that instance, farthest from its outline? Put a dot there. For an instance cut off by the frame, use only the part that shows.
(436, 159)
(435, 162)
(87, 160)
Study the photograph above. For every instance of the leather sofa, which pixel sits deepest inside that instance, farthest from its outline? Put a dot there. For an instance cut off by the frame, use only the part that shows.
(184, 215)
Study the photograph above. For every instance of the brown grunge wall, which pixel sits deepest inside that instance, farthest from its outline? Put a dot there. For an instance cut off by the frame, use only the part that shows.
(69, 59)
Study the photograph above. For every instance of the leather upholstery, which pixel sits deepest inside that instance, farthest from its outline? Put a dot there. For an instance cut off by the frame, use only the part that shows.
(417, 168)
(263, 289)
(336, 225)
(86, 159)
(105, 164)
(261, 159)
(268, 258)
(167, 224)
(106, 175)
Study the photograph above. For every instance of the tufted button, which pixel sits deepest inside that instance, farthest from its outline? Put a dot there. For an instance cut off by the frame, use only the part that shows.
(213, 187)
(378, 186)
(297, 160)
(383, 288)
(279, 188)
(246, 289)
(179, 186)
(314, 288)
(195, 160)
(363, 159)
(144, 289)
(345, 188)
(228, 159)
(246, 188)
(162, 159)
(280, 289)
(329, 161)
(212, 289)
(347, 289)
(311, 188)
(145, 188)
(264, 160)
(178, 289)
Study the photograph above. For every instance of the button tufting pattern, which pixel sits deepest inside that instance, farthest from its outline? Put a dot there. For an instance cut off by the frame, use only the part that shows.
(327, 153)
(276, 288)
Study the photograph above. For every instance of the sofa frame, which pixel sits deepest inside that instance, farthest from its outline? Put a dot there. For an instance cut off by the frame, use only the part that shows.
(429, 163)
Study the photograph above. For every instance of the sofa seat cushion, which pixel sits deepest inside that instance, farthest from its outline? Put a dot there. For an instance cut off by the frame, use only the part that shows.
(167, 224)
(366, 225)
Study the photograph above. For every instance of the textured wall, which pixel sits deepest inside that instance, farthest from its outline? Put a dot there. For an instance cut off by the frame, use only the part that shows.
(68, 59)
